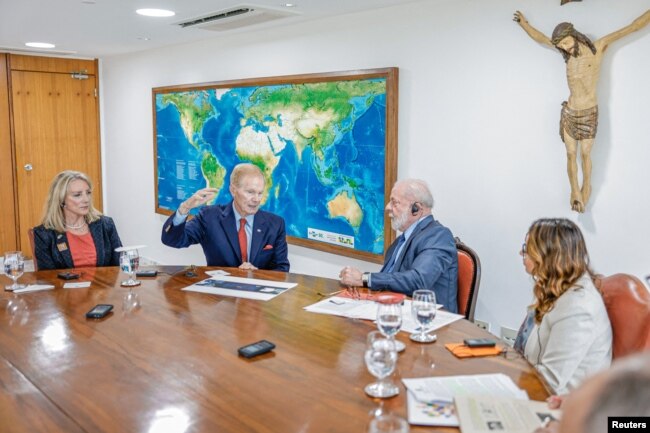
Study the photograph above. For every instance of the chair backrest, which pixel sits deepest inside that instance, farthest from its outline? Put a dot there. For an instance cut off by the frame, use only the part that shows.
(469, 279)
(628, 306)
(30, 235)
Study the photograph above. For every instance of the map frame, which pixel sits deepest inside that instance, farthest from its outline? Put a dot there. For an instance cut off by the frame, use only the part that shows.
(391, 77)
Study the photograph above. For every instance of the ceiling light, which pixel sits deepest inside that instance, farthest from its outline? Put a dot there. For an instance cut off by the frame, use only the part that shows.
(40, 44)
(289, 5)
(155, 12)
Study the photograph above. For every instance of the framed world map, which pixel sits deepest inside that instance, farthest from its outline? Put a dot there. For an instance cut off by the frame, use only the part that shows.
(326, 143)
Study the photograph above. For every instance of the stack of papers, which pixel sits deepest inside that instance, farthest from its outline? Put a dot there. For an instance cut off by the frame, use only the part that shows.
(430, 400)
(367, 310)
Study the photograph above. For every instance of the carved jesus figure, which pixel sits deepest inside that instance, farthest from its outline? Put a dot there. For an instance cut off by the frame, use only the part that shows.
(579, 115)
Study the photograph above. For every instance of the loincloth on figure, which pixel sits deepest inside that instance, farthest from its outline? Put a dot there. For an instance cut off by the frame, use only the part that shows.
(579, 124)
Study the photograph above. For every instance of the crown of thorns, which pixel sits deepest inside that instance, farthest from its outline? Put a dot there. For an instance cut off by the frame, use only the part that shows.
(562, 31)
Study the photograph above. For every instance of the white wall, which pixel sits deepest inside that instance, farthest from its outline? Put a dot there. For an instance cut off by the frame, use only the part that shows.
(479, 108)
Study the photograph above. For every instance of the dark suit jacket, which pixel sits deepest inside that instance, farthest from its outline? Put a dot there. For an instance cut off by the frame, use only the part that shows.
(215, 229)
(429, 260)
(53, 251)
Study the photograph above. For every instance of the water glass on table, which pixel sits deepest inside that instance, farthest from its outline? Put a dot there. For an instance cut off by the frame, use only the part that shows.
(388, 423)
(389, 319)
(14, 267)
(129, 264)
(423, 308)
(381, 359)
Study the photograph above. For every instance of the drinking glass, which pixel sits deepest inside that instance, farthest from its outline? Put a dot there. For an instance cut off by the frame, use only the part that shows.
(129, 263)
(423, 308)
(381, 358)
(388, 423)
(389, 319)
(14, 266)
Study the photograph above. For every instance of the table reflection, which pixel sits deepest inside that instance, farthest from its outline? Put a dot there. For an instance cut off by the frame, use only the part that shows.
(170, 420)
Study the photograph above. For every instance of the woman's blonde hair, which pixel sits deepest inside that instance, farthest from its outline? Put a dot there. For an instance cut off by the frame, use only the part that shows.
(559, 255)
(53, 218)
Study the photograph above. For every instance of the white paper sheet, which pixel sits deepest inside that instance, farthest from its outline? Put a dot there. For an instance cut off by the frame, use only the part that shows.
(79, 285)
(249, 288)
(217, 273)
(482, 414)
(34, 288)
(430, 399)
(367, 310)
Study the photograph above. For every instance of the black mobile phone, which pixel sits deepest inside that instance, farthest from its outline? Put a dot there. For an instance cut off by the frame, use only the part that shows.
(68, 275)
(99, 311)
(254, 349)
(479, 342)
(146, 273)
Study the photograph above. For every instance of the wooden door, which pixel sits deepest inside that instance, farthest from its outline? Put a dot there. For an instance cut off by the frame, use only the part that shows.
(56, 128)
(7, 199)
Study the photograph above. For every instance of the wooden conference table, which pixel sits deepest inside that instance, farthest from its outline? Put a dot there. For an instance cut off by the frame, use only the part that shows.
(172, 365)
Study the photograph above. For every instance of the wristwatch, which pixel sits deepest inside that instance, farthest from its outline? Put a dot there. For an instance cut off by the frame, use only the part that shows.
(364, 279)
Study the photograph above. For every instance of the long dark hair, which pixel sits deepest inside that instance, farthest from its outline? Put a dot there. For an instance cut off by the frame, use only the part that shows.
(559, 255)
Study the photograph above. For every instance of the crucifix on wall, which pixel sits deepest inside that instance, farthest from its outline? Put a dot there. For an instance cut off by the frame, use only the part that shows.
(579, 115)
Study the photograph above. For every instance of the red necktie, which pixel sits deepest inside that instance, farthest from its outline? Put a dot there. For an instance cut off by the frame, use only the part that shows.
(242, 240)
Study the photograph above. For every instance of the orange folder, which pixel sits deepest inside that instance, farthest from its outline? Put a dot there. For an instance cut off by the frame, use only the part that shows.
(462, 351)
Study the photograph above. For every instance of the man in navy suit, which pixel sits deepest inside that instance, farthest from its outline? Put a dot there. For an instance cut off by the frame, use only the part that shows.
(424, 256)
(236, 234)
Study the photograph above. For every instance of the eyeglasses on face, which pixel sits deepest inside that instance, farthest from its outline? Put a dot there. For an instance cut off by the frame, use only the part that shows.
(523, 249)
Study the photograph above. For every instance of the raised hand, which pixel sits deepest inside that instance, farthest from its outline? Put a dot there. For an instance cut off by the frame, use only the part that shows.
(199, 198)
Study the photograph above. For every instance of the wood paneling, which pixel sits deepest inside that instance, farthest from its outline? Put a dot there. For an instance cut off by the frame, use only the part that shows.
(52, 64)
(8, 240)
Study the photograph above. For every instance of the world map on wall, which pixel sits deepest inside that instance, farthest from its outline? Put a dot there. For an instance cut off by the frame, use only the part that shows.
(321, 147)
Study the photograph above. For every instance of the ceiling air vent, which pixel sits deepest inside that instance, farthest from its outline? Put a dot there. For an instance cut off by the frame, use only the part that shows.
(234, 18)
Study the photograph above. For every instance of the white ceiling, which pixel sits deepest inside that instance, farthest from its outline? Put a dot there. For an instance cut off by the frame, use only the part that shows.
(101, 28)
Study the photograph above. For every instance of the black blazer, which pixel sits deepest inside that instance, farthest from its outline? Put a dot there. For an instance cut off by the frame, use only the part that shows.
(53, 251)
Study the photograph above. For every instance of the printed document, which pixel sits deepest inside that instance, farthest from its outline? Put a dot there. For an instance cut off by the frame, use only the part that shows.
(367, 310)
(430, 399)
(249, 288)
(480, 414)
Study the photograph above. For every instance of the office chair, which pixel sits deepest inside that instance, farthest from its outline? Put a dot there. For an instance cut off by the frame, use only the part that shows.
(469, 279)
(628, 306)
(30, 235)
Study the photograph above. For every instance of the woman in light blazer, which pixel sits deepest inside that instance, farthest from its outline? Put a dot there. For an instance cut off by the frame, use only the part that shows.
(566, 335)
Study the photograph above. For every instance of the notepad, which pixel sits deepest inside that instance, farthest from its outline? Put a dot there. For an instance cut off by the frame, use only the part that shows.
(77, 285)
(34, 288)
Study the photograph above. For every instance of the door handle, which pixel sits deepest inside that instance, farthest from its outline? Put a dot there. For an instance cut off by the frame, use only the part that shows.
(28, 167)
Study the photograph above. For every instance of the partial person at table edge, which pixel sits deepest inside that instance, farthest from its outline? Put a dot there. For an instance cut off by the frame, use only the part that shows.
(73, 234)
(566, 334)
(235, 234)
(620, 391)
(424, 256)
